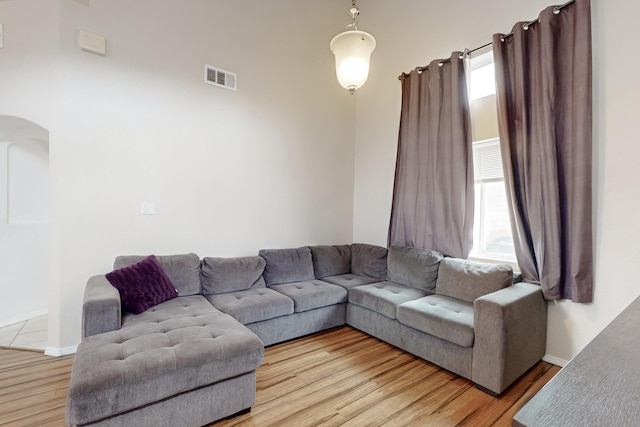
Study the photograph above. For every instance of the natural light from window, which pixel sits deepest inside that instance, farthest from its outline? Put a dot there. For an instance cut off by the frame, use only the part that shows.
(482, 82)
(492, 239)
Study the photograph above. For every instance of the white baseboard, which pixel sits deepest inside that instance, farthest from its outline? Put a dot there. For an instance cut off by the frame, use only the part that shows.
(57, 351)
(554, 360)
(22, 317)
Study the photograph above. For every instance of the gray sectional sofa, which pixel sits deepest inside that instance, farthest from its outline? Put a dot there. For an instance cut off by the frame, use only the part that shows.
(192, 359)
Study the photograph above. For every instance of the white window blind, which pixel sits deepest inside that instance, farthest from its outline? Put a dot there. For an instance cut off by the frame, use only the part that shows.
(487, 163)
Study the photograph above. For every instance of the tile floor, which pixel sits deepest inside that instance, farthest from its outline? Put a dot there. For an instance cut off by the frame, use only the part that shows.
(31, 334)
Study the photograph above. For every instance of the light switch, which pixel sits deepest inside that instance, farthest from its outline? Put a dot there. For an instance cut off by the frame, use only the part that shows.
(147, 208)
(1, 36)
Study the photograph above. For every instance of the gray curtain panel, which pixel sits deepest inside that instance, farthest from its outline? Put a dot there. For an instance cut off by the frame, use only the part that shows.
(432, 204)
(543, 77)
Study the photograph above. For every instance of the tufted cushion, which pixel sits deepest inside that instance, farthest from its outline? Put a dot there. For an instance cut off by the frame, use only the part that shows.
(125, 369)
(349, 281)
(182, 307)
(467, 280)
(384, 297)
(313, 294)
(183, 270)
(369, 261)
(443, 317)
(287, 265)
(331, 260)
(142, 285)
(220, 275)
(253, 305)
(413, 267)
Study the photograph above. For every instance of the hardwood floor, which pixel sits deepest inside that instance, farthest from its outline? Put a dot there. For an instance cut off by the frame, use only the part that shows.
(346, 377)
(33, 388)
(340, 377)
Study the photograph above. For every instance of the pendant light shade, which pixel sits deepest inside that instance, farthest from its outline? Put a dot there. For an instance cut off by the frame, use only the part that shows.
(352, 49)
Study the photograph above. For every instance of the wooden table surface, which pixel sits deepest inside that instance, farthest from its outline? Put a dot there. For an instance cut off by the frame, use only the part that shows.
(599, 387)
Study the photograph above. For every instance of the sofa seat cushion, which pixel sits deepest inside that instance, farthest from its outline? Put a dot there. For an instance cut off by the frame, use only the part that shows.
(384, 297)
(349, 280)
(121, 370)
(253, 305)
(181, 307)
(312, 294)
(440, 316)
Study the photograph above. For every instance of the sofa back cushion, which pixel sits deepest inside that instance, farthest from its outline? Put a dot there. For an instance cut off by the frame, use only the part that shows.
(222, 275)
(183, 270)
(287, 265)
(468, 280)
(142, 285)
(331, 260)
(369, 261)
(413, 267)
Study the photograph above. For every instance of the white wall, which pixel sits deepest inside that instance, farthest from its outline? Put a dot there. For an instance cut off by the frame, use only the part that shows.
(28, 81)
(270, 165)
(28, 182)
(28, 74)
(24, 230)
(412, 33)
(24, 272)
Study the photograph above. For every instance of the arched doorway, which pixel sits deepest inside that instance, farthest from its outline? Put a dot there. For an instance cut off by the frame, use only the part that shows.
(24, 231)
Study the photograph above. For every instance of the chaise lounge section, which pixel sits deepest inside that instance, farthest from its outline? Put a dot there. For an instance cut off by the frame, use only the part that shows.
(181, 362)
(193, 358)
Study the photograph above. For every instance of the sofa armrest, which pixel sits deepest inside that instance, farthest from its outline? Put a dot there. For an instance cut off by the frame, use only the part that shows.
(510, 328)
(101, 307)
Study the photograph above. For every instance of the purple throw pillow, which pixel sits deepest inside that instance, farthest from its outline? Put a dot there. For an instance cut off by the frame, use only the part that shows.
(142, 285)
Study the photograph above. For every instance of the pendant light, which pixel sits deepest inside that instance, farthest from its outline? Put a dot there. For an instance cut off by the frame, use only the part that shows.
(352, 49)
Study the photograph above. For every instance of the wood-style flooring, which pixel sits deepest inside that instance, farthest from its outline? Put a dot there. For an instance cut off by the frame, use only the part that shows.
(33, 388)
(340, 377)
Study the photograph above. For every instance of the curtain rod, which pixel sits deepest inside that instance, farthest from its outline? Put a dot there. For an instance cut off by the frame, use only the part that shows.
(468, 52)
(556, 10)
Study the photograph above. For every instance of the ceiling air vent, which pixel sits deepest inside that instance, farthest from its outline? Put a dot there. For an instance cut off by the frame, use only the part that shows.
(217, 77)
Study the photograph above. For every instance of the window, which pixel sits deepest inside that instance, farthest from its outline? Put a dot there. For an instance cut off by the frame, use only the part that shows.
(482, 80)
(492, 239)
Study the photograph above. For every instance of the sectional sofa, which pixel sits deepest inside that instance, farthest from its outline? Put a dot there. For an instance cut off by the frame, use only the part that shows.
(191, 359)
